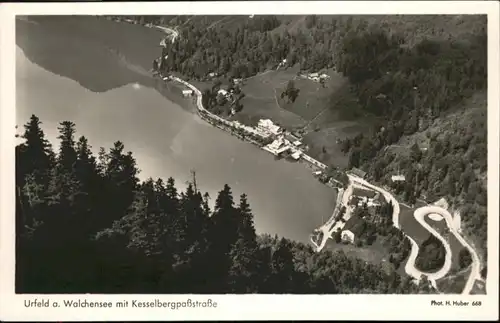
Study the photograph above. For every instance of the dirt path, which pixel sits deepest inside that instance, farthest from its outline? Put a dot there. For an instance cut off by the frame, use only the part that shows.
(215, 23)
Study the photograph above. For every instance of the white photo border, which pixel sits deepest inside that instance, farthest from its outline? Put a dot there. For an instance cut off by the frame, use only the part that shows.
(248, 307)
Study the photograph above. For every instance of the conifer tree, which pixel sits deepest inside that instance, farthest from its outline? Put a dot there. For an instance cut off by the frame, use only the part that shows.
(36, 155)
(245, 265)
(283, 270)
(121, 182)
(246, 229)
(90, 226)
(67, 150)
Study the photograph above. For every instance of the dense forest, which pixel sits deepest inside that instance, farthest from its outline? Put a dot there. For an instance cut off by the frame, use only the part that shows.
(431, 256)
(87, 224)
(405, 79)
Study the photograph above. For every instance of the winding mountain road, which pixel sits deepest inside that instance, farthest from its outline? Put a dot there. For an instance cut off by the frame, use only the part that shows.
(476, 264)
(419, 214)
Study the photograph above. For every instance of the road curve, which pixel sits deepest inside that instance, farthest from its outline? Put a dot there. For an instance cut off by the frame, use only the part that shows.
(476, 264)
(168, 30)
(419, 215)
(410, 263)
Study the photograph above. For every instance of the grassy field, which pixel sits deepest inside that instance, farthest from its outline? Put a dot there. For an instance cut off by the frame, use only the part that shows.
(314, 111)
(323, 144)
(262, 99)
(375, 254)
(479, 288)
(453, 284)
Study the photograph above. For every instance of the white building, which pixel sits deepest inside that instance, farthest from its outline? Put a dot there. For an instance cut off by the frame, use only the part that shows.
(362, 196)
(398, 178)
(442, 203)
(348, 236)
(316, 77)
(296, 155)
(187, 92)
(369, 202)
(261, 132)
(353, 228)
(282, 63)
(293, 140)
(268, 125)
(277, 147)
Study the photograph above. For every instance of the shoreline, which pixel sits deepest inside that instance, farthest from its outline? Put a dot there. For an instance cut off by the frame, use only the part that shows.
(410, 269)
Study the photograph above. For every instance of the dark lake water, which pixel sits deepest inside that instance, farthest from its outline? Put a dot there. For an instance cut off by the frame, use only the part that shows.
(168, 140)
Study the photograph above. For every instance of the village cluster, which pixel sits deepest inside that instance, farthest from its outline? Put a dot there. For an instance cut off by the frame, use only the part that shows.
(316, 77)
(282, 143)
(351, 225)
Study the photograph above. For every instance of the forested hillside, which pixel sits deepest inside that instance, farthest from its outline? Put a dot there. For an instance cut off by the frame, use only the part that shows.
(241, 46)
(447, 159)
(405, 72)
(86, 224)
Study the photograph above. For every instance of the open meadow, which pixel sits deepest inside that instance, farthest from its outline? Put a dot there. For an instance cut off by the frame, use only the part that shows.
(455, 283)
(375, 254)
(314, 112)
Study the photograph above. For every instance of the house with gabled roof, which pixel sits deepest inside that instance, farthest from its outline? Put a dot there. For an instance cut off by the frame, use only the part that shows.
(361, 192)
(353, 228)
(361, 196)
(357, 172)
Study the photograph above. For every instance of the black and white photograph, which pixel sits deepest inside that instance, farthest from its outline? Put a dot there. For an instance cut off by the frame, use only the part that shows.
(266, 154)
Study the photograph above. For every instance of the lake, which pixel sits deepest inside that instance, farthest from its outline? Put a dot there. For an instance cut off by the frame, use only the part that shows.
(168, 140)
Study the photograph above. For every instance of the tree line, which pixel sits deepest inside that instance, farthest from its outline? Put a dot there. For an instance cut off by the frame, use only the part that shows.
(404, 82)
(407, 89)
(87, 224)
(431, 256)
